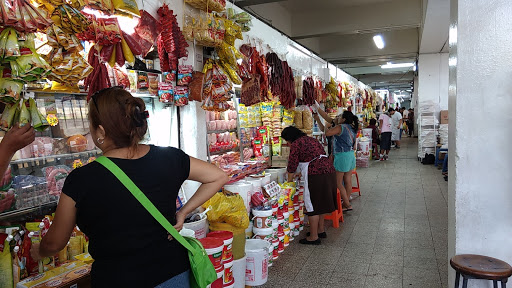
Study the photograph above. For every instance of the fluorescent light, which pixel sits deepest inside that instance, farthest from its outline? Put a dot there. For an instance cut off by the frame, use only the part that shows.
(379, 41)
(396, 65)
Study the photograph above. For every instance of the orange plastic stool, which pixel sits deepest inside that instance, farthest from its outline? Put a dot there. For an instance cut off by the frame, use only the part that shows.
(356, 189)
(337, 216)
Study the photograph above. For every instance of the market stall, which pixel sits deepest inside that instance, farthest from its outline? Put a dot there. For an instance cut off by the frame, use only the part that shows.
(203, 64)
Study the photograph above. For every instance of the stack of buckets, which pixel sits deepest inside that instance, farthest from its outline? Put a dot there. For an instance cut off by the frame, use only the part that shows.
(218, 246)
(280, 225)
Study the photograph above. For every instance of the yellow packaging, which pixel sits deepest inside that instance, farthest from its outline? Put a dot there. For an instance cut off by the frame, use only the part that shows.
(75, 246)
(85, 257)
(63, 255)
(65, 273)
(6, 266)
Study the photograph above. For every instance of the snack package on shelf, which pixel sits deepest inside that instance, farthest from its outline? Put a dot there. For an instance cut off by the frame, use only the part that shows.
(171, 42)
(24, 16)
(217, 88)
(203, 27)
(208, 5)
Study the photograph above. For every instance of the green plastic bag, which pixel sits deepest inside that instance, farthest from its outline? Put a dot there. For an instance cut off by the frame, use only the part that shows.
(203, 272)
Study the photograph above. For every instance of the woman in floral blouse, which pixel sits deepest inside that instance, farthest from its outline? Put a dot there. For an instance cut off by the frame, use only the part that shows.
(309, 160)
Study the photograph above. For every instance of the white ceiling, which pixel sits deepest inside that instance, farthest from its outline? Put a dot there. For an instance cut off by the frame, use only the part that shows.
(341, 31)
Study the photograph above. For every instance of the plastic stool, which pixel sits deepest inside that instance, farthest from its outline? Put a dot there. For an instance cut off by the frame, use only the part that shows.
(356, 189)
(480, 267)
(337, 216)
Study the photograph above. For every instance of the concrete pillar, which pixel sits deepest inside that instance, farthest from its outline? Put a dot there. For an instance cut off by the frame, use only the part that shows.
(433, 78)
(193, 138)
(480, 105)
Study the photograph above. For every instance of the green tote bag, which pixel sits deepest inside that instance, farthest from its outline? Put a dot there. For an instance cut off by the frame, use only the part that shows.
(203, 272)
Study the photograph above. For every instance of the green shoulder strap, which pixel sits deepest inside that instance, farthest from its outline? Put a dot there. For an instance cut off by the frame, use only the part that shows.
(137, 193)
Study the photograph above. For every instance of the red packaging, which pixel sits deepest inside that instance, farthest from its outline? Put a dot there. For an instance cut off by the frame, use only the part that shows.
(185, 74)
(214, 248)
(263, 134)
(257, 145)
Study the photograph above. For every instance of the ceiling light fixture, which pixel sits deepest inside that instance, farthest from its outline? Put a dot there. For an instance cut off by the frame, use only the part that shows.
(379, 41)
(396, 65)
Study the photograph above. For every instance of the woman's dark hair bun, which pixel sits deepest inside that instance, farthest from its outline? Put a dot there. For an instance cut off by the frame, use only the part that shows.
(122, 116)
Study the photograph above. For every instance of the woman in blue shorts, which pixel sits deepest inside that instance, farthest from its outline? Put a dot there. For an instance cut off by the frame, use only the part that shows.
(344, 157)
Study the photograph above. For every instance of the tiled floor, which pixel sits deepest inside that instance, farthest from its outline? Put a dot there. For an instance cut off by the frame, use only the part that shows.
(396, 236)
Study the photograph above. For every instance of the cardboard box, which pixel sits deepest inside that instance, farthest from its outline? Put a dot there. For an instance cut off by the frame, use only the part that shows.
(444, 117)
(285, 151)
(279, 161)
(73, 274)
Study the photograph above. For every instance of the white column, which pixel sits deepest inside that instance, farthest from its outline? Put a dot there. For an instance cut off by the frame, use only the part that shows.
(433, 78)
(193, 138)
(480, 104)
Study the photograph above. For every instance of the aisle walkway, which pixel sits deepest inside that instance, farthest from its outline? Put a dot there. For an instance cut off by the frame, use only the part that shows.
(395, 237)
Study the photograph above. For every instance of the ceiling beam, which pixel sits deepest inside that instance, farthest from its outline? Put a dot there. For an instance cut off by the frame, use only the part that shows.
(376, 30)
(245, 3)
(399, 44)
(355, 19)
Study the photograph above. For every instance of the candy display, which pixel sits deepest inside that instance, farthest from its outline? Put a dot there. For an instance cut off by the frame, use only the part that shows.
(63, 55)
(204, 28)
(208, 5)
(23, 15)
(171, 42)
(217, 87)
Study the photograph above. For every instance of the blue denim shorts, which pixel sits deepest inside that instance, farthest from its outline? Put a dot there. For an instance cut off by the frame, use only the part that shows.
(179, 281)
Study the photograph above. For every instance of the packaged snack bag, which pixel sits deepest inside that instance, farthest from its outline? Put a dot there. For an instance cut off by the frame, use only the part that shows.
(185, 74)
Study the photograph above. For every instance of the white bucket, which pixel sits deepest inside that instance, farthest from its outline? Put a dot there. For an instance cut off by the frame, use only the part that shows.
(188, 233)
(239, 272)
(262, 218)
(199, 227)
(367, 132)
(244, 189)
(273, 174)
(266, 179)
(364, 147)
(256, 183)
(263, 234)
(256, 269)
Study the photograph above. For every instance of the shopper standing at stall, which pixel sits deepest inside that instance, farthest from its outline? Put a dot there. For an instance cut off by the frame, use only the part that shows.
(375, 137)
(344, 157)
(405, 115)
(14, 140)
(411, 122)
(307, 158)
(396, 127)
(130, 248)
(385, 134)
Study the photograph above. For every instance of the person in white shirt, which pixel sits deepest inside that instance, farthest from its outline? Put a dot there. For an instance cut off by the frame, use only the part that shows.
(396, 125)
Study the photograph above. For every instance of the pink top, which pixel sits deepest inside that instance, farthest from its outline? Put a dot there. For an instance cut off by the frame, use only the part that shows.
(386, 123)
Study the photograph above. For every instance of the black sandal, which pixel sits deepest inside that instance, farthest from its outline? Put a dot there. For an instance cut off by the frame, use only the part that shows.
(307, 242)
(320, 235)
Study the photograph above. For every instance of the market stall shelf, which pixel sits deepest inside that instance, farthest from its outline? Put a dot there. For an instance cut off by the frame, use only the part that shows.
(37, 210)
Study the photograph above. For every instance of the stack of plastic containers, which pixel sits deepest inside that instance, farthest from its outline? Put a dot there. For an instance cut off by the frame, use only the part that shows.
(219, 245)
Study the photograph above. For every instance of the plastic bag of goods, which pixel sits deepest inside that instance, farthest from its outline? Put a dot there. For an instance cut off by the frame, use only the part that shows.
(228, 208)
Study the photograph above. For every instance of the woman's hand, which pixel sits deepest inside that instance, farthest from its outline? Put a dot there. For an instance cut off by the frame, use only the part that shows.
(180, 220)
(34, 252)
(18, 137)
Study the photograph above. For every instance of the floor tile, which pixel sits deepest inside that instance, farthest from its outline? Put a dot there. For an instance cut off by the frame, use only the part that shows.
(396, 236)
(380, 281)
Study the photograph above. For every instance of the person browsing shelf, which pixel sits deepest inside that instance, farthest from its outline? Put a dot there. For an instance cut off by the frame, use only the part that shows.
(344, 157)
(130, 248)
(15, 139)
(307, 159)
